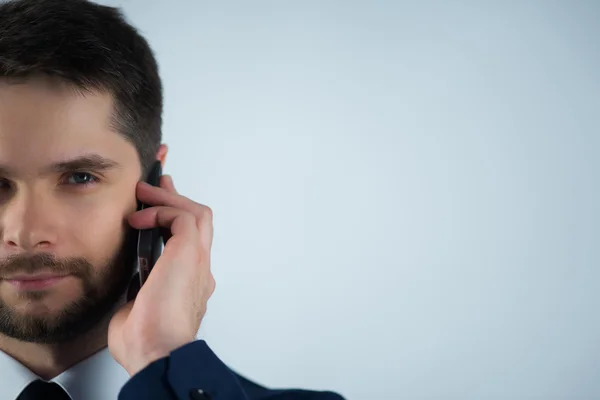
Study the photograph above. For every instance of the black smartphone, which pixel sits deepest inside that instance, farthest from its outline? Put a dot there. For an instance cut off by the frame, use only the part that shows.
(150, 241)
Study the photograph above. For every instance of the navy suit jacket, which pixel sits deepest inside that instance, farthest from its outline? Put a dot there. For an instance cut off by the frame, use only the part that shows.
(194, 372)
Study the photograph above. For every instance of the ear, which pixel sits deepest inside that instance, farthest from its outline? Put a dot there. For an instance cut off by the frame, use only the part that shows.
(161, 154)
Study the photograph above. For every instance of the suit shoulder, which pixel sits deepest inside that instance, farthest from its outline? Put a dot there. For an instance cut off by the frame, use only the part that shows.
(326, 396)
(305, 395)
(254, 391)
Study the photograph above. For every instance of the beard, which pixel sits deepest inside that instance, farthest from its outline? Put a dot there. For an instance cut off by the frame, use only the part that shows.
(102, 292)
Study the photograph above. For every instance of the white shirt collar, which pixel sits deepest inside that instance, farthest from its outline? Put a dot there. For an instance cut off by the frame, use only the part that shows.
(98, 377)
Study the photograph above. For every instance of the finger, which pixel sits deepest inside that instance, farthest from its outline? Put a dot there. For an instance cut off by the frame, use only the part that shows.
(166, 182)
(158, 196)
(178, 221)
(206, 228)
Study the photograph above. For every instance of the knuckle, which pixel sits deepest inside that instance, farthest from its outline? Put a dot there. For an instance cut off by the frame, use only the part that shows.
(207, 212)
(204, 213)
(189, 217)
(213, 285)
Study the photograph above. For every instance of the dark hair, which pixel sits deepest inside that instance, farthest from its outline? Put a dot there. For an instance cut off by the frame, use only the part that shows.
(91, 47)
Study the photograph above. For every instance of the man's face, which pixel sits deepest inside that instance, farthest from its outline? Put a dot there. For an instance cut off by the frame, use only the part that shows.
(58, 217)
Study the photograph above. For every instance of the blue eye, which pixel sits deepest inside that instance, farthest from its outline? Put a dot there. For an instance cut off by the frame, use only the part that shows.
(81, 178)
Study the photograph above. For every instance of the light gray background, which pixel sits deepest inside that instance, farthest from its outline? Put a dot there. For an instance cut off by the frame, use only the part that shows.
(405, 193)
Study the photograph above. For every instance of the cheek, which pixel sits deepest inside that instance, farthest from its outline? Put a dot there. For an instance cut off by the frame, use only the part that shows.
(98, 226)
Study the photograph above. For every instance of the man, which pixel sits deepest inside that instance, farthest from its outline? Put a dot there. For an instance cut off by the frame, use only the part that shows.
(80, 127)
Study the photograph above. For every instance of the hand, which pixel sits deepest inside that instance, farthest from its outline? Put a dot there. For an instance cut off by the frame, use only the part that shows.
(168, 309)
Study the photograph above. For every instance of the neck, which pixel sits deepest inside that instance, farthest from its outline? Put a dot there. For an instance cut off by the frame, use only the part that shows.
(50, 360)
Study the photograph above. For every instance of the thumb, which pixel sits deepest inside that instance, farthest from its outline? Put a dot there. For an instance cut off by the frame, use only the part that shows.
(116, 343)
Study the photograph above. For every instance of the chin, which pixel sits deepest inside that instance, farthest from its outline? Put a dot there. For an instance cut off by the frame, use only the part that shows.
(44, 309)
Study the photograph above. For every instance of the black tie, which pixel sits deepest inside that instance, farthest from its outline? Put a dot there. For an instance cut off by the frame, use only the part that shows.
(41, 390)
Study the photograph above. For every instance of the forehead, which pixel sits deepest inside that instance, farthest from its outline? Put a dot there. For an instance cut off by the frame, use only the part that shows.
(42, 119)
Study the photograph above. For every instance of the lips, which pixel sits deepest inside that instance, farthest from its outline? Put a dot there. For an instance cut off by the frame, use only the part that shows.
(34, 282)
(34, 277)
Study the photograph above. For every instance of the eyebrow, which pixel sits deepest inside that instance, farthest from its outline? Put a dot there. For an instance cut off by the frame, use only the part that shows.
(94, 162)
(87, 162)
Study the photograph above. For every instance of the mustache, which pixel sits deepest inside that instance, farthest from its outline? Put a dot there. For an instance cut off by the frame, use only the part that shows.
(43, 262)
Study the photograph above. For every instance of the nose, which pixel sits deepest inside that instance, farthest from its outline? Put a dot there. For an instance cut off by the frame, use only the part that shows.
(25, 223)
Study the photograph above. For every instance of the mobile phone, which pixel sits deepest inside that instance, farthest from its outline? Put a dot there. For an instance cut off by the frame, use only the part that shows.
(150, 241)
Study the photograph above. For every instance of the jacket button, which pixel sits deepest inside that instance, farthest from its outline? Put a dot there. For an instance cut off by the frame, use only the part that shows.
(199, 394)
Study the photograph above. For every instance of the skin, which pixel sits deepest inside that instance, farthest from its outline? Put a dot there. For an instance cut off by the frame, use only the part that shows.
(81, 220)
